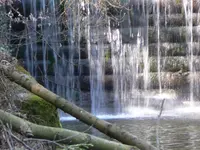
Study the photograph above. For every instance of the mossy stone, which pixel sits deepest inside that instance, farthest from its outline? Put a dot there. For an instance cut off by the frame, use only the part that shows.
(37, 109)
(40, 112)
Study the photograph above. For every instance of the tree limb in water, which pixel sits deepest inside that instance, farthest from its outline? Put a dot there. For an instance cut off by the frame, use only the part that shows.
(107, 128)
(58, 134)
(161, 108)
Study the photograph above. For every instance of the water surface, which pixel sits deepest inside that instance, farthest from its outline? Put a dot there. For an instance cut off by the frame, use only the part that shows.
(178, 132)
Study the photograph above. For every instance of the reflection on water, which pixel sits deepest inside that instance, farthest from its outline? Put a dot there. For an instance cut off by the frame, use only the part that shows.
(174, 133)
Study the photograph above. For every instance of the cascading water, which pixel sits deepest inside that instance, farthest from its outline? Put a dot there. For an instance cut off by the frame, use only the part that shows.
(95, 45)
(49, 39)
(39, 18)
(31, 46)
(158, 42)
(127, 60)
(146, 51)
(188, 9)
(140, 43)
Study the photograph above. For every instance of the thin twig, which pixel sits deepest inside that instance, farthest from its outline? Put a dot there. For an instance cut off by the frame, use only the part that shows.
(20, 141)
(43, 140)
(158, 125)
(5, 135)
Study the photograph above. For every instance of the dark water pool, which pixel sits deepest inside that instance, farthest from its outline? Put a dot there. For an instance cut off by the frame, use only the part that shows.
(170, 133)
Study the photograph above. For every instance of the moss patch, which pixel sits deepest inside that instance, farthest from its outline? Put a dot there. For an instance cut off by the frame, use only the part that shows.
(107, 55)
(22, 70)
(178, 1)
(40, 112)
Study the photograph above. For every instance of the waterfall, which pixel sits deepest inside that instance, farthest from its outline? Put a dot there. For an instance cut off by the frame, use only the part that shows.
(188, 9)
(95, 44)
(127, 59)
(31, 46)
(146, 50)
(115, 48)
(111, 60)
(56, 57)
(158, 42)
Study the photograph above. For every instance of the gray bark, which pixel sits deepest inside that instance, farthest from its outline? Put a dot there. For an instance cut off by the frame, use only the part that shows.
(59, 135)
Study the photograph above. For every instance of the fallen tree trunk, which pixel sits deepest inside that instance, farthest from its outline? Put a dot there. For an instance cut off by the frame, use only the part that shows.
(105, 127)
(59, 135)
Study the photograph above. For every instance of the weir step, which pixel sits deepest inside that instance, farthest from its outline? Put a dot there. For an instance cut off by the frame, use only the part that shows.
(165, 20)
(166, 49)
(82, 67)
(169, 6)
(153, 94)
(169, 80)
(167, 34)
